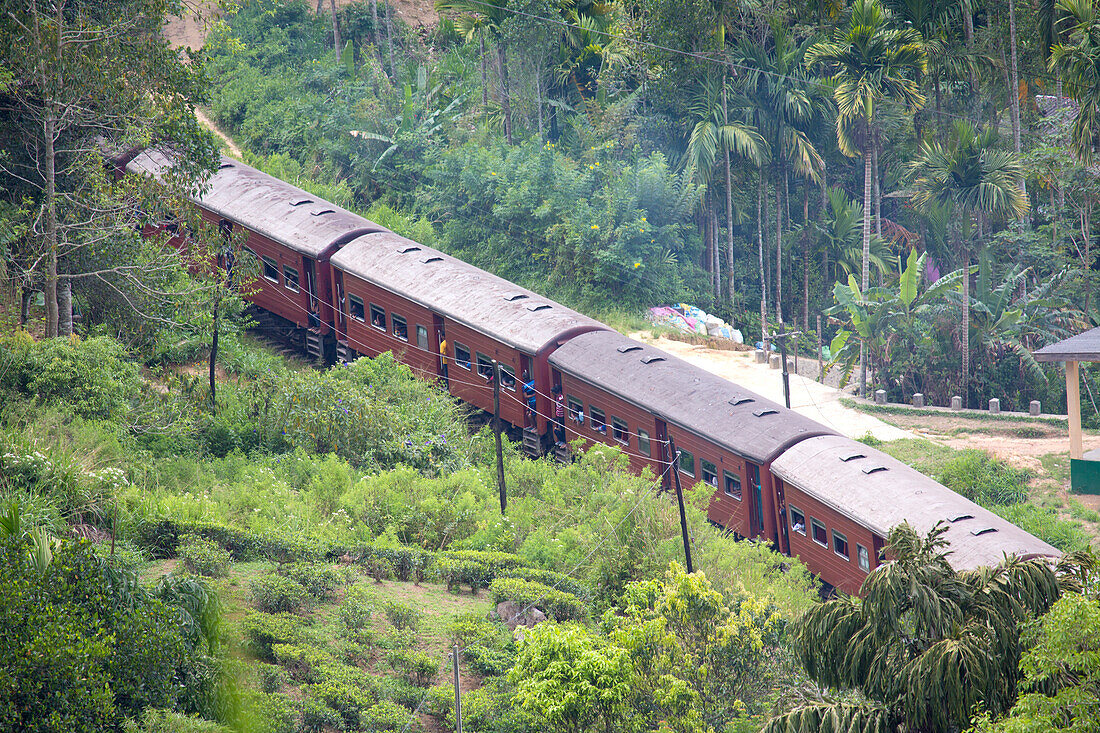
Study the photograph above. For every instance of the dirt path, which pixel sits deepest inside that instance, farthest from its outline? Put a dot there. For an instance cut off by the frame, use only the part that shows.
(209, 124)
(816, 401)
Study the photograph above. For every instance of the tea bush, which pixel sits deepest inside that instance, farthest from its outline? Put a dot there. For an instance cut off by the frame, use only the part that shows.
(264, 630)
(203, 557)
(558, 605)
(302, 662)
(389, 716)
(272, 593)
(320, 581)
(402, 616)
(418, 668)
(357, 607)
(553, 579)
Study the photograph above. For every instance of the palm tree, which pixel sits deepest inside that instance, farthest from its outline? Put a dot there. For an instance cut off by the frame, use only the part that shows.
(478, 18)
(977, 182)
(784, 102)
(924, 646)
(1077, 61)
(714, 135)
(873, 62)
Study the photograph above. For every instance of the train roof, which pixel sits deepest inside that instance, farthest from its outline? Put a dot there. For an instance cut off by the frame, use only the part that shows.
(880, 492)
(685, 395)
(501, 310)
(279, 211)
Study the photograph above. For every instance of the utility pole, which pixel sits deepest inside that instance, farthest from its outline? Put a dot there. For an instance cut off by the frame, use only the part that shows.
(680, 500)
(782, 337)
(496, 429)
(458, 694)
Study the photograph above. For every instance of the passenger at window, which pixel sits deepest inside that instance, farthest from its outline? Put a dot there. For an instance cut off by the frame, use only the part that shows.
(559, 416)
(443, 358)
(377, 319)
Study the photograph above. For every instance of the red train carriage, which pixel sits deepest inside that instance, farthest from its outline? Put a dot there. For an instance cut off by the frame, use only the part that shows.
(291, 233)
(637, 396)
(400, 296)
(841, 498)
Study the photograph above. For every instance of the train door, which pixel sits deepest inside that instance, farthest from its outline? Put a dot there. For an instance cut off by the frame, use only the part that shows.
(664, 454)
(757, 500)
(310, 270)
(781, 509)
(441, 359)
(341, 315)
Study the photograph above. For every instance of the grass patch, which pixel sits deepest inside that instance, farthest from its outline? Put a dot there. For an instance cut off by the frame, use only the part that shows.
(969, 414)
(929, 458)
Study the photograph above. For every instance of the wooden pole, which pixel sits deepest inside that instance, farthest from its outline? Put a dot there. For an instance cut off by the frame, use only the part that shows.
(820, 365)
(782, 338)
(496, 429)
(1073, 407)
(680, 501)
(458, 694)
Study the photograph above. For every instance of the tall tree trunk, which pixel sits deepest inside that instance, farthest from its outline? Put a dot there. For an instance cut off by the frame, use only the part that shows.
(863, 278)
(389, 39)
(878, 188)
(968, 26)
(538, 100)
(806, 256)
(374, 35)
(484, 79)
(717, 253)
(214, 354)
(966, 329)
(336, 45)
(64, 307)
(506, 100)
(730, 260)
(1015, 91)
(26, 293)
(778, 251)
(760, 249)
(49, 132)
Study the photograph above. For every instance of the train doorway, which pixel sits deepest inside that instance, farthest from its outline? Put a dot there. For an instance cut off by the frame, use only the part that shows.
(441, 350)
(665, 453)
(757, 500)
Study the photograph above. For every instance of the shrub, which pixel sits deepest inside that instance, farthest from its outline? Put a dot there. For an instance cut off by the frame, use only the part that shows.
(983, 479)
(272, 593)
(272, 677)
(439, 702)
(403, 692)
(320, 581)
(473, 628)
(348, 699)
(203, 557)
(558, 605)
(560, 581)
(301, 661)
(1044, 523)
(317, 717)
(378, 568)
(388, 716)
(166, 721)
(161, 538)
(417, 667)
(489, 662)
(264, 630)
(402, 616)
(357, 608)
(495, 561)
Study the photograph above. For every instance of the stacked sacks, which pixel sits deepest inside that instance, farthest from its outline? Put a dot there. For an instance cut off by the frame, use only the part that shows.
(690, 319)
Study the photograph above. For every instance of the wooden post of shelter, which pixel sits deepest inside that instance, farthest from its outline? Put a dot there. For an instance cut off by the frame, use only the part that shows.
(1084, 468)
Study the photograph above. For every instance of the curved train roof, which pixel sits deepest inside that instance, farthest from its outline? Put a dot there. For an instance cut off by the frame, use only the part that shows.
(880, 492)
(502, 310)
(265, 204)
(685, 395)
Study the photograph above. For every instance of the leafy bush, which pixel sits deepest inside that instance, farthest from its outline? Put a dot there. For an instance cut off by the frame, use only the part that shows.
(167, 721)
(496, 562)
(303, 662)
(388, 716)
(347, 698)
(264, 630)
(272, 593)
(272, 677)
(474, 628)
(203, 557)
(457, 573)
(983, 479)
(553, 579)
(1044, 523)
(320, 581)
(318, 717)
(558, 605)
(401, 691)
(161, 537)
(417, 667)
(357, 607)
(378, 568)
(402, 616)
(489, 662)
(439, 702)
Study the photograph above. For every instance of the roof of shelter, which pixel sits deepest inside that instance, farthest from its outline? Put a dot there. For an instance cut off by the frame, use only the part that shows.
(684, 395)
(502, 310)
(279, 211)
(1082, 347)
(880, 492)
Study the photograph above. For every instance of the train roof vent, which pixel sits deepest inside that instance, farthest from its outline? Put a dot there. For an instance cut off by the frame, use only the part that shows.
(851, 456)
(983, 530)
(536, 307)
(627, 348)
(874, 469)
(223, 166)
(430, 259)
(405, 249)
(652, 358)
(299, 202)
(322, 212)
(740, 400)
(960, 517)
(514, 296)
(765, 411)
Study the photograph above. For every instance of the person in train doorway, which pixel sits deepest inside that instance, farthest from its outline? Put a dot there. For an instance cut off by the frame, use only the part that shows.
(443, 358)
(530, 398)
(559, 416)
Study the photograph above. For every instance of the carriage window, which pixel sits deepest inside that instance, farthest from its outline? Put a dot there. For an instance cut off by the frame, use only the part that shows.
(271, 270)
(422, 337)
(574, 408)
(643, 443)
(377, 317)
(484, 365)
(620, 431)
(687, 463)
(863, 557)
(733, 485)
(462, 355)
(400, 327)
(840, 544)
(355, 308)
(598, 422)
(710, 473)
(798, 521)
(821, 537)
(290, 278)
(507, 378)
